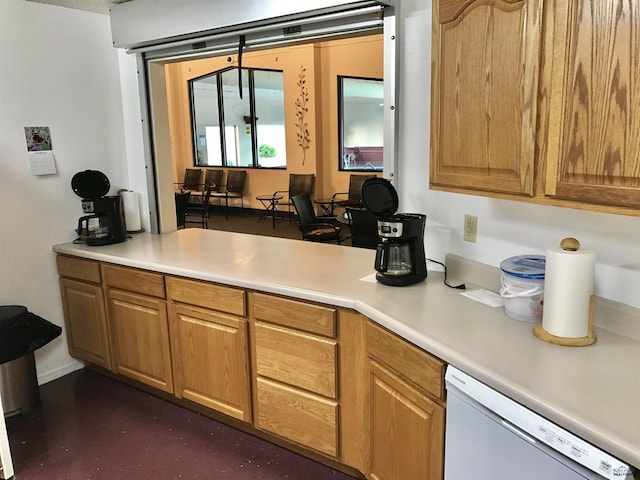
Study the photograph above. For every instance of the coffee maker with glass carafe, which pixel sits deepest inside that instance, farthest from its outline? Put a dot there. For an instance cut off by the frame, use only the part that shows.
(104, 224)
(400, 257)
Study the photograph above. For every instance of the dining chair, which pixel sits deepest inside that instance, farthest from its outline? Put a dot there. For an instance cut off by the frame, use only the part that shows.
(364, 228)
(199, 213)
(192, 180)
(182, 200)
(353, 196)
(234, 188)
(311, 229)
(299, 184)
(212, 180)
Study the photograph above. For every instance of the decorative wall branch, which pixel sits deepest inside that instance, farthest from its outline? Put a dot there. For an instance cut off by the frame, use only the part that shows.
(304, 137)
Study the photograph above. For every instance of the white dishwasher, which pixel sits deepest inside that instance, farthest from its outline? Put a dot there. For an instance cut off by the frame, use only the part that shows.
(491, 437)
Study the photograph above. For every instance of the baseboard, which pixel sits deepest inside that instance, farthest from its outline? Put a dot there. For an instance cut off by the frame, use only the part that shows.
(66, 369)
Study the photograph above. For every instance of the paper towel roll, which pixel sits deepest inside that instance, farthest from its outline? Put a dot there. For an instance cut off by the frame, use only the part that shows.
(569, 279)
(131, 207)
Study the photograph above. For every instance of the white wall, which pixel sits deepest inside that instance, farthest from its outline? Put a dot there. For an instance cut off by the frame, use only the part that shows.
(505, 228)
(59, 69)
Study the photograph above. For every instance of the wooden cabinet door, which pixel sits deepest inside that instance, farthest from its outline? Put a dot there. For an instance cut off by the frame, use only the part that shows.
(211, 359)
(594, 153)
(485, 66)
(407, 429)
(86, 322)
(141, 338)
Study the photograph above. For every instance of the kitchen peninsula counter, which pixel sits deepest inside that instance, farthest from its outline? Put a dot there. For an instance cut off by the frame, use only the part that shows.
(592, 391)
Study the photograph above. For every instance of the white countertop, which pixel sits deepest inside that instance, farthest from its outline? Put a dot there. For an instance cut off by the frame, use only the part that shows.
(592, 391)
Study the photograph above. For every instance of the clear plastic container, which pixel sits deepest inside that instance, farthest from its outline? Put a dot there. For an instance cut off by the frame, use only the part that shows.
(523, 287)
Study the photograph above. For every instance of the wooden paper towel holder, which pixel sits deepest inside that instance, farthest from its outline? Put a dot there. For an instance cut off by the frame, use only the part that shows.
(590, 339)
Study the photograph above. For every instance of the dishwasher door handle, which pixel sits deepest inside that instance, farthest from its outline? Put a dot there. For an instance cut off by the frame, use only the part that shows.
(518, 432)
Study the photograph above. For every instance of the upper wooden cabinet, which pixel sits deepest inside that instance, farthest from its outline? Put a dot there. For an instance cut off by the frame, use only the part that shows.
(535, 100)
(594, 153)
(484, 76)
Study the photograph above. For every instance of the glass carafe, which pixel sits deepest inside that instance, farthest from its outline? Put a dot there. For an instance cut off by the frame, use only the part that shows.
(394, 258)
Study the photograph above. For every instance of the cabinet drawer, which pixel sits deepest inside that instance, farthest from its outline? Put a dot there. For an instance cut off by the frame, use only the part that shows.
(290, 313)
(207, 295)
(134, 280)
(424, 370)
(78, 268)
(301, 417)
(296, 358)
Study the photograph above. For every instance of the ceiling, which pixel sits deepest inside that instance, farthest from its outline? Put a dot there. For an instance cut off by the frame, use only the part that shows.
(95, 6)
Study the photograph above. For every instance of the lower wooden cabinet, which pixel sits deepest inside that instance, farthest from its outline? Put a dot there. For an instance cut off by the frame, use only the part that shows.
(139, 325)
(295, 354)
(323, 378)
(86, 322)
(84, 310)
(302, 417)
(210, 349)
(141, 338)
(407, 429)
(406, 409)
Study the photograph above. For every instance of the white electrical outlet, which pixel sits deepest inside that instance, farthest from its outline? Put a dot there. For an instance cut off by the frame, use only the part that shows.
(470, 228)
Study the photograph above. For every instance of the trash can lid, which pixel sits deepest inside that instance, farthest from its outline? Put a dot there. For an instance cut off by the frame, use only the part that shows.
(22, 332)
(9, 312)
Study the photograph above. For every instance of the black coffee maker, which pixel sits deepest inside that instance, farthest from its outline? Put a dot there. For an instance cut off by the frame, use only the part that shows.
(104, 224)
(400, 258)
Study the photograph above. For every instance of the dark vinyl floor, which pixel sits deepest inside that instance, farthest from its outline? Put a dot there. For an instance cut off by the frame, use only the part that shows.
(91, 427)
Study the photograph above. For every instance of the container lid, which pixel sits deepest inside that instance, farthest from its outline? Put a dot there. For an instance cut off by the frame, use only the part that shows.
(379, 197)
(90, 184)
(525, 266)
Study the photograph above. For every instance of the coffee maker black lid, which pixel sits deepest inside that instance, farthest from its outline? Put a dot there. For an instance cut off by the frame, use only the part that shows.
(90, 184)
(379, 197)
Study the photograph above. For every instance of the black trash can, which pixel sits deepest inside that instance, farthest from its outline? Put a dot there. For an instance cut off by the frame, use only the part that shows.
(21, 334)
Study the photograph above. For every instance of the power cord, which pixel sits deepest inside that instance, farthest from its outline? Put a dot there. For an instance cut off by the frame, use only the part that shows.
(462, 286)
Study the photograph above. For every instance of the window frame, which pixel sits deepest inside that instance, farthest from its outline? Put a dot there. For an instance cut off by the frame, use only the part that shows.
(221, 121)
(340, 97)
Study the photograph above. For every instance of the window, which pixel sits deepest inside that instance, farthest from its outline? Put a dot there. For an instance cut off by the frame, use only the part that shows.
(360, 113)
(239, 132)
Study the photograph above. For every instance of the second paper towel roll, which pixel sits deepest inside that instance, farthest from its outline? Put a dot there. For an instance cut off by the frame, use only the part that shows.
(569, 280)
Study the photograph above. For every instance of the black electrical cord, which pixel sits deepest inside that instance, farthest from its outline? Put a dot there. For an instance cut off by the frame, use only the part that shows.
(462, 286)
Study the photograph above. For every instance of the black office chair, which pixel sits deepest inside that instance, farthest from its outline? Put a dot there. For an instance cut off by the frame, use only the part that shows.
(310, 228)
(364, 228)
(182, 200)
(199, 213)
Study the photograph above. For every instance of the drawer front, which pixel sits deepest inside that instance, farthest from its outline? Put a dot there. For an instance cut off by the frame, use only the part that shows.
(424, 370)
(207, 295)
(134, 280)
(298, 416)
(78, 268)
(297, 358)
(290, 313)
